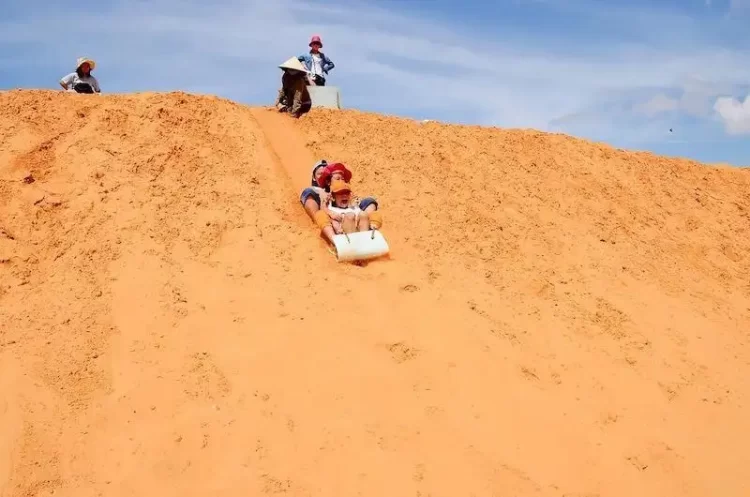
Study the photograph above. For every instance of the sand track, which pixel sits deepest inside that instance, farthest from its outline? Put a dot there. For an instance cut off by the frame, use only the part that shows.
(559, 318)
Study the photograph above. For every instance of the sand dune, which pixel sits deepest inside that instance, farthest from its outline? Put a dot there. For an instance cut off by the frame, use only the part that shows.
(557, 318)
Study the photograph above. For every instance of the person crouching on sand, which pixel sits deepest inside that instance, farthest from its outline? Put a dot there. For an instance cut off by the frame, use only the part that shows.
(293, 96)
(82, 81)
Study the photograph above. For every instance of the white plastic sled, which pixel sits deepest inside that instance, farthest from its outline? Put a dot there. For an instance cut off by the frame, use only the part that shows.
(360, 246)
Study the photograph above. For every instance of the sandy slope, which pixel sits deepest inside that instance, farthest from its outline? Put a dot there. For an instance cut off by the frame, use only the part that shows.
(558, 318)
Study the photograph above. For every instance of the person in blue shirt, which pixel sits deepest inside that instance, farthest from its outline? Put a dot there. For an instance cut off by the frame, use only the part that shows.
(316, 62)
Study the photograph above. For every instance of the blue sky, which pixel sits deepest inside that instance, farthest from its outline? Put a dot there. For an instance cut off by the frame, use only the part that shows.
(623, 72)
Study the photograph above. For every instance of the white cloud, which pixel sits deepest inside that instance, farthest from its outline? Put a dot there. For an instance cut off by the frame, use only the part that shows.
(658, 104)
(696, 99)
(735, 114)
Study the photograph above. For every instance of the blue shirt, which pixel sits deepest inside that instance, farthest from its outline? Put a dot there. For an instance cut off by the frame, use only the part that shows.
(307, 61)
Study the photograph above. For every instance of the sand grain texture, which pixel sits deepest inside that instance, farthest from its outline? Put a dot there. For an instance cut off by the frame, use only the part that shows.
(558, 318)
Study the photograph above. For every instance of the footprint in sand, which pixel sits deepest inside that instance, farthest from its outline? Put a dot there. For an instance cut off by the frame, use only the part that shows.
(204, 380)
(400, 352)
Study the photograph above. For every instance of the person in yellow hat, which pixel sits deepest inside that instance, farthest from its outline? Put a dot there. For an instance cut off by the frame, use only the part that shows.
(293, 96)
(81, 81)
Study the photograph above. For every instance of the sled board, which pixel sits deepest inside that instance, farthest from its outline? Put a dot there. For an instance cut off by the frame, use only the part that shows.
(360, 246)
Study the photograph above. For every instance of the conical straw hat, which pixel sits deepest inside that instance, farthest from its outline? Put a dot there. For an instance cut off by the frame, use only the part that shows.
(293, 64)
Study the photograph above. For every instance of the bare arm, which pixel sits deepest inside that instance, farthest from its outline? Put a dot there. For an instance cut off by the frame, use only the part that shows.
(67, 81)
(333, 215)
(279, 97)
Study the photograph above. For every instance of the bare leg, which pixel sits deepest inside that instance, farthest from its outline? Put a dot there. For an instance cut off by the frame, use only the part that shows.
(364, 222)
(349, 224)
(371, 208)
(311, 207)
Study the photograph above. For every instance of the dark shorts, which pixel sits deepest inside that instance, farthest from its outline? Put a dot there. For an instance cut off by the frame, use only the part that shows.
(310, 193)
(83, 88)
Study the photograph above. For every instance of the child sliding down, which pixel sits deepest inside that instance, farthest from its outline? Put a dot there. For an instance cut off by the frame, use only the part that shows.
(346, 216)
(343, 215)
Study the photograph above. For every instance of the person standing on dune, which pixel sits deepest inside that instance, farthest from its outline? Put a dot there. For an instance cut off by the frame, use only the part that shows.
(316, 62)
(81, 81)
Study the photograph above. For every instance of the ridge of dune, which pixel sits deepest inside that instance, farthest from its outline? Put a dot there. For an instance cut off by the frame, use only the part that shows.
(557, 318)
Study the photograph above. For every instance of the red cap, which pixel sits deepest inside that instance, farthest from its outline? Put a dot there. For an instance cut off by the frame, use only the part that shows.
(325, 176)
(316, 39)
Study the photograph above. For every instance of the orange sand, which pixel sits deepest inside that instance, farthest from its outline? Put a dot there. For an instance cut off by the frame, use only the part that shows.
(558, 318)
